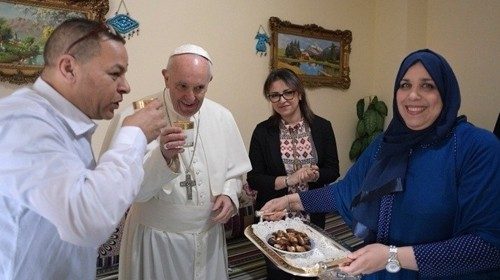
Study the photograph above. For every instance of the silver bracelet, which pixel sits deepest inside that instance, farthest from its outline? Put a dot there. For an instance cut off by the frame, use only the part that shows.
(286, 182)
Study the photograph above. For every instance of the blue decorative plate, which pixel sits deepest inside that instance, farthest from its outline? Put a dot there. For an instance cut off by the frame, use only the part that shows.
(122, 23)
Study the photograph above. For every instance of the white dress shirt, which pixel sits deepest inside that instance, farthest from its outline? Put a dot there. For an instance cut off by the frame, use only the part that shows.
(56, 204)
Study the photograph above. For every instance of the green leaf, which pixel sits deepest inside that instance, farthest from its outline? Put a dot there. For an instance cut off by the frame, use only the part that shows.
(360, 128)
(371, 106)
(356, 149)
(381, 108)
(379, 121)
(371, 120)
(360, 108)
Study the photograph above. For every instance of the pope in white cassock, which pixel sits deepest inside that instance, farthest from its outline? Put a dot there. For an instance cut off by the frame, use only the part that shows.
(175, 229)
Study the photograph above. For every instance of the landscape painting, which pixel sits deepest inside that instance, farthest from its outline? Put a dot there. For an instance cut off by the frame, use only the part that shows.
(318, 56)
(25, 27)
(309, 56)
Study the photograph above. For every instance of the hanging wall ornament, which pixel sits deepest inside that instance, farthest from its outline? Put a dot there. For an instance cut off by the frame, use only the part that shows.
(123, 23)
(262, 40)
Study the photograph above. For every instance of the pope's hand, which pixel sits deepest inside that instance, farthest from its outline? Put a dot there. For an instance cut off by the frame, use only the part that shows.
(223, 209)
(172, 140)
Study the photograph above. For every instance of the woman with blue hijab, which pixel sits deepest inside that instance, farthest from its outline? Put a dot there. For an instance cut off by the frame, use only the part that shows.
(425, 195)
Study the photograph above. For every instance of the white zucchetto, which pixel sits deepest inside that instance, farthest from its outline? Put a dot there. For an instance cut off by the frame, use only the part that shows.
(194, 49)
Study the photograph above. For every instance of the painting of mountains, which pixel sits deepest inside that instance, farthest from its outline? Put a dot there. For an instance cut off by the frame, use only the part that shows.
(309, 56)
(319, 56)
(24, 29)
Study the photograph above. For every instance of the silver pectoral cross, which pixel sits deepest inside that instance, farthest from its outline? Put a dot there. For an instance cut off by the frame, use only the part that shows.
(188, 184)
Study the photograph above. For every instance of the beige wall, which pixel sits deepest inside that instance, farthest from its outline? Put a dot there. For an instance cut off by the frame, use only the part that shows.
(465, 32)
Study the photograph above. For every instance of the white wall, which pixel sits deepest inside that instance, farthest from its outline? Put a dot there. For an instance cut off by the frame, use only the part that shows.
(468, 35)
(384, 31)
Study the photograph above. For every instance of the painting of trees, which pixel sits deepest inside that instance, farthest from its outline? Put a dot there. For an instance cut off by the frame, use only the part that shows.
(24, 29)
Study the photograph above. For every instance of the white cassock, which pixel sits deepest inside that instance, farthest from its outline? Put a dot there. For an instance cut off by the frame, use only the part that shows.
(167, 236)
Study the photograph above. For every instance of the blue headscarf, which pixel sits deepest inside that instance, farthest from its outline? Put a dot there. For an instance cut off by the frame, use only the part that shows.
(387, 174)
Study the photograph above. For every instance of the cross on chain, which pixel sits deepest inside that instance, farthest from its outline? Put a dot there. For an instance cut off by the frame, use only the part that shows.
(188, 184)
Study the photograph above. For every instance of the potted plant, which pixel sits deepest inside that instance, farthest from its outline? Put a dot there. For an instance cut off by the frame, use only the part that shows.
(370, 124)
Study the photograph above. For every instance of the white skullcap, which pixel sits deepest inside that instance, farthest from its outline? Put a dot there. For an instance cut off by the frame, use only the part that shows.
(194, 49)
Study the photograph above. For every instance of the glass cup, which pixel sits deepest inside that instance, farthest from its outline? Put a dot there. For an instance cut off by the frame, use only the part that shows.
(188, 129)
(141, 103)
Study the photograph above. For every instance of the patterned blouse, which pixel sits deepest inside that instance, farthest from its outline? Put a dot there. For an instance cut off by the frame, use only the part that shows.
(297, 150)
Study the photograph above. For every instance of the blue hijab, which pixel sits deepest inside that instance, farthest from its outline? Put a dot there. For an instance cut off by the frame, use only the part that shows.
(387, 174)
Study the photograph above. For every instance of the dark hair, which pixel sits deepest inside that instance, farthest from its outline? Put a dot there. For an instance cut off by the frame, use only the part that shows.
(80, 37)
(293, 81)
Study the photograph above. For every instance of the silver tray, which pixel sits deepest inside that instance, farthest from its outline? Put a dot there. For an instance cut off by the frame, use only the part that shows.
(327, 253)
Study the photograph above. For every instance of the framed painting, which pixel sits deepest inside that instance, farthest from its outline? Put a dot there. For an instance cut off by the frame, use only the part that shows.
(25, 26)
(320, 57)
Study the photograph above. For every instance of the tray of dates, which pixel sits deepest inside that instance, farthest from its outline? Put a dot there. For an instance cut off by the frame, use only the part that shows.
(297, 247)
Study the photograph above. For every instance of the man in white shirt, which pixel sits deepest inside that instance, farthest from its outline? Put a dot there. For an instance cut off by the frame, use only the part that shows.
(57, 205)
(175, 230)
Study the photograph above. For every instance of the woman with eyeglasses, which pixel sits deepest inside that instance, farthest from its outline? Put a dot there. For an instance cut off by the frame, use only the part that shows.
(292, 151)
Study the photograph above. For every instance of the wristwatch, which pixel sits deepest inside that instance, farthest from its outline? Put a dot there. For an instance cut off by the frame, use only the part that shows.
(393, 265)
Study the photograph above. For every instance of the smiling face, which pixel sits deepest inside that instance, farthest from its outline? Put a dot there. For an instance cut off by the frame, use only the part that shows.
(289, 110)
(418, 99)
(102, 81)
(187, 78)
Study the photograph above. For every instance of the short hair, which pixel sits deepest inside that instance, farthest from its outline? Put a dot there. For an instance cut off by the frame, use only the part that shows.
(90, 32)
(293, 81)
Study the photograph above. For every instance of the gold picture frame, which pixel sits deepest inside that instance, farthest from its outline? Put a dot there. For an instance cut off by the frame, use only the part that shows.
(25, 26)
(320, 57)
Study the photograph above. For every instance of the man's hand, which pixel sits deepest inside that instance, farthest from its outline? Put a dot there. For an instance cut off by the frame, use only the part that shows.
(150, 119)
(223, 209)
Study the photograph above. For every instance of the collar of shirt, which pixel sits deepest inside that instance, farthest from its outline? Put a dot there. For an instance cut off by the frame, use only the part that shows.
(75, 119)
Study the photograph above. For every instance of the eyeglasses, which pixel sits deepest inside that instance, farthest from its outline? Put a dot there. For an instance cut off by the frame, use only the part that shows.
(286, 94)
(94, 32)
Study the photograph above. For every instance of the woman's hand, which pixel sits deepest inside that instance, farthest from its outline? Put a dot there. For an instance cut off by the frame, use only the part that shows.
(276, 209)
(305, 174)
(373, 257)
(369, 259)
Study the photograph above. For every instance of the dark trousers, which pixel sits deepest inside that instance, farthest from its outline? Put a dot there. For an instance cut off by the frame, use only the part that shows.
(274, 273)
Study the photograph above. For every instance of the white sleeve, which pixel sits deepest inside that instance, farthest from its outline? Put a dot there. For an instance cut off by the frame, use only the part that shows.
(237, 163)
(45, 172)
(157, 173)
(232, 188)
